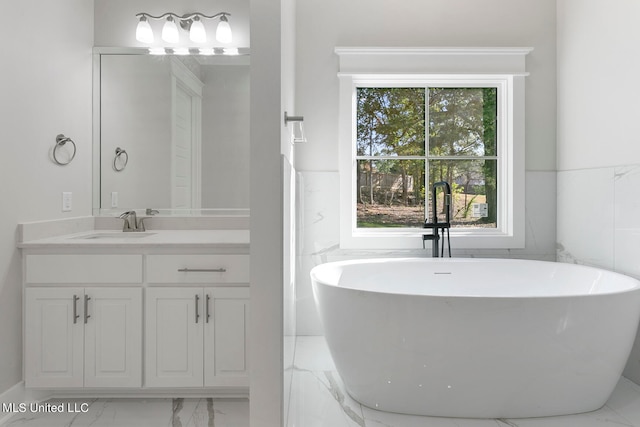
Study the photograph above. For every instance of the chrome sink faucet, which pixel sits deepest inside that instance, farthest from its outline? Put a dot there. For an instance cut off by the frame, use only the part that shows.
(131, 223)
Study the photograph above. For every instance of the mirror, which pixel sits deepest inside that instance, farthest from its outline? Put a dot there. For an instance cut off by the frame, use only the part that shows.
(172, 132)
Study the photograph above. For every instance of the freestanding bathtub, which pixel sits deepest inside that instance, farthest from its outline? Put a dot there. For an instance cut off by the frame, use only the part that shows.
(477, 338)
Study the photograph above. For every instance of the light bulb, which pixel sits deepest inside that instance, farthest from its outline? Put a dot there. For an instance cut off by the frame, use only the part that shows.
(144, 33)
(157, 51)
(207, 51)
(170, 31)
(197, 34)
(223, 32)
(231, 51)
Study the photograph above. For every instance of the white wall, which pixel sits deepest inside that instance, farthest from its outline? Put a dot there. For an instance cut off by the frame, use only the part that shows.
(267, 278)
(46, 90)
(598, 83)
(323, 25)
(598, 144)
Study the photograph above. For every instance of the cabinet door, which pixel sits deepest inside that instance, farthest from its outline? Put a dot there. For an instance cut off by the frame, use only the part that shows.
(113, 337)
(53, 337)
(174, 337)
(227, 321)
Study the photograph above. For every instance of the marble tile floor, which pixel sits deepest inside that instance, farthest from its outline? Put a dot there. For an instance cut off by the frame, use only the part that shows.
(134, 412)
(318, 399)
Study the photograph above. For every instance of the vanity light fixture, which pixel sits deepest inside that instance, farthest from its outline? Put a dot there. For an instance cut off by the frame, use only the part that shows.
(191, 22)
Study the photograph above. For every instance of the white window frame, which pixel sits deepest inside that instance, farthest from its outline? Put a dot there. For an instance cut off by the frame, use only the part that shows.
(503, 68)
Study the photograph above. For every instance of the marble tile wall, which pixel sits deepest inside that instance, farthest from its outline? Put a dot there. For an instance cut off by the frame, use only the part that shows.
(599, 225)
(318, 225)
(288, 302)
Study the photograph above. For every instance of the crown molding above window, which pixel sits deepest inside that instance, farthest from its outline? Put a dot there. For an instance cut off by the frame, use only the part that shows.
(433, 60)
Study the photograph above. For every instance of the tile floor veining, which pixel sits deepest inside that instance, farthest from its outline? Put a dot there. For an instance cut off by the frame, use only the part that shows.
(134, 412)
(318, 399)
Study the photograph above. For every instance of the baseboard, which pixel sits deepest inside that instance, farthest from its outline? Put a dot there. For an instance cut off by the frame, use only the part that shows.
(16, 395)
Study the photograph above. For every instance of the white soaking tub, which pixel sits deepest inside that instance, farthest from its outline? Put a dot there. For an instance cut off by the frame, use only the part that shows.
(477, 338)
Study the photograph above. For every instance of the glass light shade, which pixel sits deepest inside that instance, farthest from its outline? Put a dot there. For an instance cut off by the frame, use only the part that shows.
(170, 31)
(231, 51)
(197, 34)
(223, 32)
(207, 51)
(144, 33)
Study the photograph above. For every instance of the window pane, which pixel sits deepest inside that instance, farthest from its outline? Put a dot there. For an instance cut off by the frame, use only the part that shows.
(390, 193)
(462, 121)
(473, 188)
(391, 121)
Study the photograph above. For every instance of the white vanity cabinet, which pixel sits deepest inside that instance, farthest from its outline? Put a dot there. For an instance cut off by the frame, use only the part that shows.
(225, 337)
(174, 344)
(54, 340)
(83, 337)
(164, 313)
(197, 336)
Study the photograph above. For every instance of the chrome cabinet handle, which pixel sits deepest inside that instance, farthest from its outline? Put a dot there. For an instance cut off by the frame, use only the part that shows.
(202, 270)
(206, 308)
(86, 308)
(197, 313)
(75, 309)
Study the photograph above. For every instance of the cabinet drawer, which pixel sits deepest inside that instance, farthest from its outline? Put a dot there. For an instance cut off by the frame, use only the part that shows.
(198, 268)
(83, 269)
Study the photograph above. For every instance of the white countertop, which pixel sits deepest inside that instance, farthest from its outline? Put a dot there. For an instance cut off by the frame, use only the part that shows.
(152, 238)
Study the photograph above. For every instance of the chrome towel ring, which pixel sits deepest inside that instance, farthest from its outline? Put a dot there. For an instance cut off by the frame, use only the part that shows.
(61, 141)
(123, 160)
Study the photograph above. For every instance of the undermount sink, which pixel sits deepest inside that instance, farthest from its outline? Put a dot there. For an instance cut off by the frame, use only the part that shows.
(116, 235)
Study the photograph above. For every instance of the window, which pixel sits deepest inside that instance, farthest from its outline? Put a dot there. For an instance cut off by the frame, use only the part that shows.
(409, 138)
(402, 132)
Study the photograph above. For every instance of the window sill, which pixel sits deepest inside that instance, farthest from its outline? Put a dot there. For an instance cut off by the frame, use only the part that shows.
(387, 239)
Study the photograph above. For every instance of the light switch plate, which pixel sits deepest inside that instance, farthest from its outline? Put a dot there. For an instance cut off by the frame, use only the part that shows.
(67, 201)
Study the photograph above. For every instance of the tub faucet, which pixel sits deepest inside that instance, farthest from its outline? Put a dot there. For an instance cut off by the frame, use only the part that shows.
(436, 226)
(131, 222)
